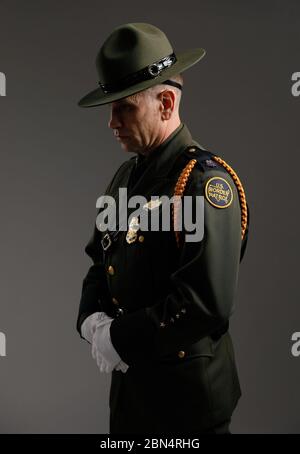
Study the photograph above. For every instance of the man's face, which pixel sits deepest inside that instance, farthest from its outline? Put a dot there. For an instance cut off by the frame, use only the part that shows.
(136, 122)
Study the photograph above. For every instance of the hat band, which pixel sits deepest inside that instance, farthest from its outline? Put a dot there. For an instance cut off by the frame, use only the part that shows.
(147, 73)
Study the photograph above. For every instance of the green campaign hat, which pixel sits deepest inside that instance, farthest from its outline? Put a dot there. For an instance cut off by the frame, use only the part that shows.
(135, 57)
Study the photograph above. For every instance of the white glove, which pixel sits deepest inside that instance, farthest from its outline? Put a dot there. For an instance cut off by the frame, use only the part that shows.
(88, 329)
(89, 325)
(103, 351)
(122, 366)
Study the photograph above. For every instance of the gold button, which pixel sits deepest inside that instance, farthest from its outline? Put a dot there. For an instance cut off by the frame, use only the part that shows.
(141, 238)
(181, 354)
(115, 301)
(111, 270)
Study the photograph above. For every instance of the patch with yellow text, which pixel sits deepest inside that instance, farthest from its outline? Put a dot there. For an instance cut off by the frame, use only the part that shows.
(218, 192)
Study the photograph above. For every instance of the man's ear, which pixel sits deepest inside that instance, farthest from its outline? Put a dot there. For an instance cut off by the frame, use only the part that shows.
(167, 100)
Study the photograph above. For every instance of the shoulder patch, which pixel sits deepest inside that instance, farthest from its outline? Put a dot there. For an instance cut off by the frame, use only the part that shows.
(218, 192)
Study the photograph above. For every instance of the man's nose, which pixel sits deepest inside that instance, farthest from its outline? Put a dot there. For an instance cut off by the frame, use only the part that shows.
(114, 121)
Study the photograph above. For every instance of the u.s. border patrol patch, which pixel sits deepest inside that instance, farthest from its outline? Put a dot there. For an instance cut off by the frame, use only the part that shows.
(218, 192)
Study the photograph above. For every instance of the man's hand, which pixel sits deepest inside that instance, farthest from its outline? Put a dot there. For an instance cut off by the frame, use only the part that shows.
(89, 325)
(106, 356)
(103, 351)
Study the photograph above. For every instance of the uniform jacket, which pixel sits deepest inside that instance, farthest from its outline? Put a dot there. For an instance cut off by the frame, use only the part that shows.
(171, 305)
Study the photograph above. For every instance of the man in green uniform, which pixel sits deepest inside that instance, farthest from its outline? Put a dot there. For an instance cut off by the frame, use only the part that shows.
(156, 304)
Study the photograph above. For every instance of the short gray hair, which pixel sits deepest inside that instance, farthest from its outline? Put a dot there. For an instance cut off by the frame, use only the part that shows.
(156, 89)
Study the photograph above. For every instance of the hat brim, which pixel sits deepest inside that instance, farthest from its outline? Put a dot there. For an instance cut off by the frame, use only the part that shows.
(184, 61)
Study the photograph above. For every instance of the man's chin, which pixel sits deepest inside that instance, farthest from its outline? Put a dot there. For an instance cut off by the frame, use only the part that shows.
(125, 146)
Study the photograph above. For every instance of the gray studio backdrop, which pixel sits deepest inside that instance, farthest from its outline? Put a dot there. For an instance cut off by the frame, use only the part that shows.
(56, 159)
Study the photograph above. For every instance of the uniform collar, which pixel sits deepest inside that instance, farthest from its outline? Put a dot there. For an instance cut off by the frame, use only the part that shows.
(159, 163)
(142, 159)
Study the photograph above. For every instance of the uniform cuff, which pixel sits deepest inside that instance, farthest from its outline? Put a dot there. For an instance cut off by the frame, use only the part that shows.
(133, 336)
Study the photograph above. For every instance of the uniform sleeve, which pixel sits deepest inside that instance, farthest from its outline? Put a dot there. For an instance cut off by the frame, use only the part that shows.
(203, 286)
(94, 286)
(95, 290)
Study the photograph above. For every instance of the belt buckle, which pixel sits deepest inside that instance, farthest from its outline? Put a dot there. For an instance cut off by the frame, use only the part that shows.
(106, 242)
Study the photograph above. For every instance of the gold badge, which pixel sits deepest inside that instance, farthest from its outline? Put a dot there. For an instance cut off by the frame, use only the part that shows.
(218, 192)
(134, 226)
(131, 236)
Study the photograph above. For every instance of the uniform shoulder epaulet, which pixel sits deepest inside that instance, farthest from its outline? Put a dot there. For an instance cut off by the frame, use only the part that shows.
(208, 160)
(203, 158)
